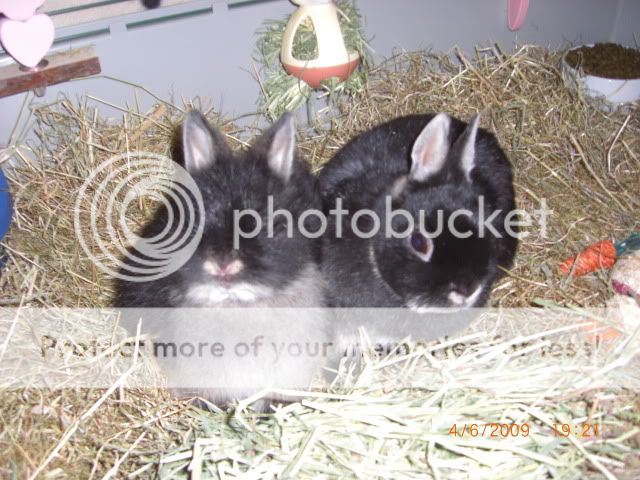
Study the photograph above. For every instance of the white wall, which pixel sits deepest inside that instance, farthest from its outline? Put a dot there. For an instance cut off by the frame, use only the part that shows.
(210, 55)
(441, 24)
(626, 30)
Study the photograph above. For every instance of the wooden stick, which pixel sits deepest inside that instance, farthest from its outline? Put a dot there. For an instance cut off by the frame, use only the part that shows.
(62, 66)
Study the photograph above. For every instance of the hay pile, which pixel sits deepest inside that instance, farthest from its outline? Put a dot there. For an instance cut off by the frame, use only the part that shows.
(585, 163)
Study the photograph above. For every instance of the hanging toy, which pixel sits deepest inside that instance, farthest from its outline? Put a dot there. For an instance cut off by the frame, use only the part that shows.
(333, 59)
(599, 256)
(292, 66)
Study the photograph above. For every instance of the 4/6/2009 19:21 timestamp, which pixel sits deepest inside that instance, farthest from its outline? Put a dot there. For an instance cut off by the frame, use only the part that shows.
(504, 430)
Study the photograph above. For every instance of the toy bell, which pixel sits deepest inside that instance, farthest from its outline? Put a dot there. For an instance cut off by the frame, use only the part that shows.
(333, 59)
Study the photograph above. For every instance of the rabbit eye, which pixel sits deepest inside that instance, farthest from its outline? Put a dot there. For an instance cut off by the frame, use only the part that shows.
(422, 245)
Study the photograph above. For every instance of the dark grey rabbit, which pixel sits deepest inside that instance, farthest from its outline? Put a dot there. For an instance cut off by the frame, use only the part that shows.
(429, 166)
(277, 269)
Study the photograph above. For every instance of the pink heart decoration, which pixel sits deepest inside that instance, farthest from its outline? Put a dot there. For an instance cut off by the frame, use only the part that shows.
(27, 42)
(19, 9)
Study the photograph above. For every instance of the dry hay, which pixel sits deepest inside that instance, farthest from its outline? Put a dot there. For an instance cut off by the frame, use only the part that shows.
(584, 162)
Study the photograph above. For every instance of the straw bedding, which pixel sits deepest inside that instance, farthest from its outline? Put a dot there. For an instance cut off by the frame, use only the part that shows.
(584, 162)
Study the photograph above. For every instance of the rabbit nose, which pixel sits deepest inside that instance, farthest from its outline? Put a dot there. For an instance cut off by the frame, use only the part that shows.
(224, 268)
(461, 288)
(460, 294)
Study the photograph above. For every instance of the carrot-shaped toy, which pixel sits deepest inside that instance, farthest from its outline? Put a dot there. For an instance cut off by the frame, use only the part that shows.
(600, 255)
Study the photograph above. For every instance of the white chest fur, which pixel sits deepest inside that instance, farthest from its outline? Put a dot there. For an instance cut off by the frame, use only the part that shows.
(213, 293)
(304, 291)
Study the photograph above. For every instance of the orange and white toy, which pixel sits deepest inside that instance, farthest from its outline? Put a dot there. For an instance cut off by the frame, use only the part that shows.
(333, 60)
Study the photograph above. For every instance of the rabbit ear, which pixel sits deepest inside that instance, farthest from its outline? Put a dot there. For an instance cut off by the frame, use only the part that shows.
(202, 144)
(465, 147)
(281, 151)
(398, 186)
(430, 148)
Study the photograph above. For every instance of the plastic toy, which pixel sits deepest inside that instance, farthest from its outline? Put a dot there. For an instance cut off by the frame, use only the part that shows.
(333, 59)
(600, 255)
(5, 205)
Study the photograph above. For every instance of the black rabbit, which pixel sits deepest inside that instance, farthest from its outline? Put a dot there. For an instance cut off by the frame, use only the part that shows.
(275, 268)
(418, 174)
